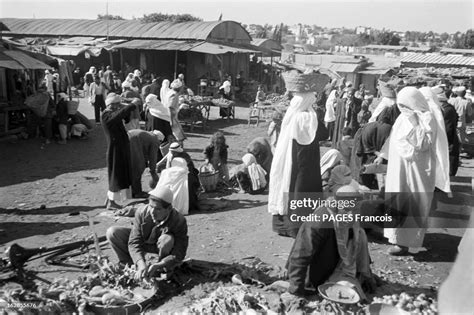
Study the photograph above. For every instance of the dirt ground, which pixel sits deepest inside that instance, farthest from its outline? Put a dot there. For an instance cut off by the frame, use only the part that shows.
(41, 186)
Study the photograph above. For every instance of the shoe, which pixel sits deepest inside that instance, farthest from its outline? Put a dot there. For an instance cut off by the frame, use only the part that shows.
(112, 205)
(62, 142)
(398, 251)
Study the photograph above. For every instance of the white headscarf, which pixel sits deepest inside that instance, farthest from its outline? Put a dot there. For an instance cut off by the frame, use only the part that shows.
(412, 102)
(330, 115)
(176, 84)
(300, 124)
(384, 103)
(157, 109)
(176, 178)
(226, 86)
(441, 146)
(330, 159)
(165, 88)
(256, 172)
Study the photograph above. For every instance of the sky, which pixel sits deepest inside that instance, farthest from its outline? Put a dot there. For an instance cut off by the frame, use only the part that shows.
(398, 15)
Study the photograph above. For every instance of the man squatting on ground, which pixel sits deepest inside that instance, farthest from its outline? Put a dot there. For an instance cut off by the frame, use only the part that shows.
(157, 228)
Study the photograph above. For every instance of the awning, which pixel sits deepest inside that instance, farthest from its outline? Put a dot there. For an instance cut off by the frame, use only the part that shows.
(217, 49)
(26, 61)
(374, 71)
(73, 50)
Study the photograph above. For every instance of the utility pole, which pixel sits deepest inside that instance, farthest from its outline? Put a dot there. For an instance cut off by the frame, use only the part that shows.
(107, 18)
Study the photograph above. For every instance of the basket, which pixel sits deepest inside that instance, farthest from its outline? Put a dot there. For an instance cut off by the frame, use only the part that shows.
(296, 81)
(165, 148)
(72, 107)
(208, 179)
(38, 103)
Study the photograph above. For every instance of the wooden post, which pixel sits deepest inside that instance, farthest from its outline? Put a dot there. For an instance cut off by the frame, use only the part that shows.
(271, 69)
(121, 60)
(175, 65)
(111, 59)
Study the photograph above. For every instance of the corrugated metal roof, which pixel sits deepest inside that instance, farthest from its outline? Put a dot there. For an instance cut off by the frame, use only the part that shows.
(343, 67)
(457, 51)
(438, 60)
(115, 28)
(217, 49)
(159, 44)
(384, 47)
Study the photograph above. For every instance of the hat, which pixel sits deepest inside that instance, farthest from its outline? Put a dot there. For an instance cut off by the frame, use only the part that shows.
(162, 193)
(112, 98)
(459, 90)
(176, 84)
(176, 147)
(159, 134)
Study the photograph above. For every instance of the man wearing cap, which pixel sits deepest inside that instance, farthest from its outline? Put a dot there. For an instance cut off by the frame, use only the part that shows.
(118, 149)
(450, 122)
(144, 152)
(332, 248)
(158, 229)
(463, 107)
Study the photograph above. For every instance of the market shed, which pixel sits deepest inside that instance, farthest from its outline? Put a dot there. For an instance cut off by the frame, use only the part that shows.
(268, 47)
(165, 48)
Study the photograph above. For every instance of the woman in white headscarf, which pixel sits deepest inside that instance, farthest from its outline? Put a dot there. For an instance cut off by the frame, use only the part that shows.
(389, 99)
(295, 167)
(165, 88)
(176, 178)
(225, 92)
(329, 160)
(252, 176)
(442, 151)
(411, 171)
(158, 116)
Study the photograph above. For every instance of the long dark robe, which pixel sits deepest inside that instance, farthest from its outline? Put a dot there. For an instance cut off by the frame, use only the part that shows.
(355, 106)
(450, 121)
(118, 147)
(340, 112)
(313, 256)
(155, 123)
(367, 141)
(305, 178)
(145, 152)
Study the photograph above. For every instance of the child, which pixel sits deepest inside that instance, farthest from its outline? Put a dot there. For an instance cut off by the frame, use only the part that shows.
(216, 154)
(260, 98)
(364, 115)
(274, 129)
(345, 145)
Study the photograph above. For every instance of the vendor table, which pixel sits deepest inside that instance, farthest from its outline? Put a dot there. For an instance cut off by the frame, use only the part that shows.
(230, 106)
(204, 107)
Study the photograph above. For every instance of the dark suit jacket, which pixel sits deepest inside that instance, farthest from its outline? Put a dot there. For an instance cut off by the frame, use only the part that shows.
(141, 235)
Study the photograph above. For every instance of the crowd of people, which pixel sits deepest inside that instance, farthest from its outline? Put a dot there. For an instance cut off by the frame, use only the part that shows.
(414, 134)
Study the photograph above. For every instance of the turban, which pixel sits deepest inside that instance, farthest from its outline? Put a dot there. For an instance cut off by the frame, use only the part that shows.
(176, 147)
(112, 98)
(176, 84)
(387, 91)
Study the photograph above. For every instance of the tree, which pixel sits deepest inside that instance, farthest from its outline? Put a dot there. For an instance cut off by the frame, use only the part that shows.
(387, 38)
(469, 39)
(109, 17)
(444, 37)
(175, 18)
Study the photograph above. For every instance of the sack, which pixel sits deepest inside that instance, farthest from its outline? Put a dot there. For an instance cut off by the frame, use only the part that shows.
(38, 103)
